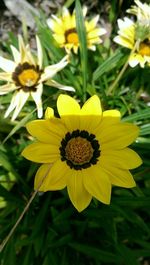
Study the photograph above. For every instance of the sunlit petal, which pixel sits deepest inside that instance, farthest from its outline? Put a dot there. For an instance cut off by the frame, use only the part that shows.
(7, 65)
(7, 88)
(39, 52)
(58, 85)
(37, 96)
(51, 70)
(16, 54)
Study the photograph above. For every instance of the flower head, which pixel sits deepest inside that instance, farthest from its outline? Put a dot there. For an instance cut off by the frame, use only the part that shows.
(25, 75)
(86, 148)
(65, 32)
(128, 37)
(142, 12)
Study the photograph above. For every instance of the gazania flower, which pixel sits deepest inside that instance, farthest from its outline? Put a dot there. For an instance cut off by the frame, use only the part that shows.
(86, 150)
(65, 33)
(142, 12)
(26, 75)
(127, 37)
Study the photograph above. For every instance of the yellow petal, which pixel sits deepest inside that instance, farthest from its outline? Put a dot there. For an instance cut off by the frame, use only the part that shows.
(95, 33)
(124, 42)
(49, 113)
(79, 197)
(56, 177)
(91, 24)
(120, 177)
(41, 177)
(49, 131)
(75, 47)
(114, 114)
(126, 33)
(66, 18)
(91, 42)
(118, 136)
(125, 159)
(69, 110)
(92, 106)
(41, 152)
(109, 118)
(136, 59)
(56, 25)
(97, 183)
(91, 113)
(59, 38)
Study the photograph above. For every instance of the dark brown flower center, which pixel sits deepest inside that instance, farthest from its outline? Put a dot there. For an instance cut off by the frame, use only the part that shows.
(71, 36)
(80, 149)
(26, 76)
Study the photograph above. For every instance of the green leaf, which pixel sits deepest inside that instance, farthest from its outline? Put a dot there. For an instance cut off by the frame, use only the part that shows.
(48, 41)
(96, 253)
(133, 202)
(141, 115)
(129, 258)
(19, 125)
(107, 65)
(83, 44)
(145, 129)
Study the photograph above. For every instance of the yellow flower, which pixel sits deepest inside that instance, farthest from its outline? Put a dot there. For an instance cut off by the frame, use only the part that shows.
(25, 75)
(65, 33)
(127, 38)
(86, 150)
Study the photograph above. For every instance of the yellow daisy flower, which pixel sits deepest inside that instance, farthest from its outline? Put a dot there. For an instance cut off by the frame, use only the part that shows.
(86, 150)
(25, 75)
(65, 33)
(127, 38)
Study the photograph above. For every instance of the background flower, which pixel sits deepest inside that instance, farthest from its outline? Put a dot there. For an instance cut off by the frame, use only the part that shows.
(65, 32)
(127, 38)
(26, 75)
(142, 12)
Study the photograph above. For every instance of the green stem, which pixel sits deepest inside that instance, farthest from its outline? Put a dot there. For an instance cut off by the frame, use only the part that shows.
(113, 86)
(5, 241)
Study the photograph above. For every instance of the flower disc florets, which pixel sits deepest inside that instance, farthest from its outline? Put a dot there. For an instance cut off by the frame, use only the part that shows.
(79, 149)
(26, 76)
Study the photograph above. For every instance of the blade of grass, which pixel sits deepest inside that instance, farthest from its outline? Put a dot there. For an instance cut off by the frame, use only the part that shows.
(141, 115)
(2, 245)
(107, 65)
(83, 45)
